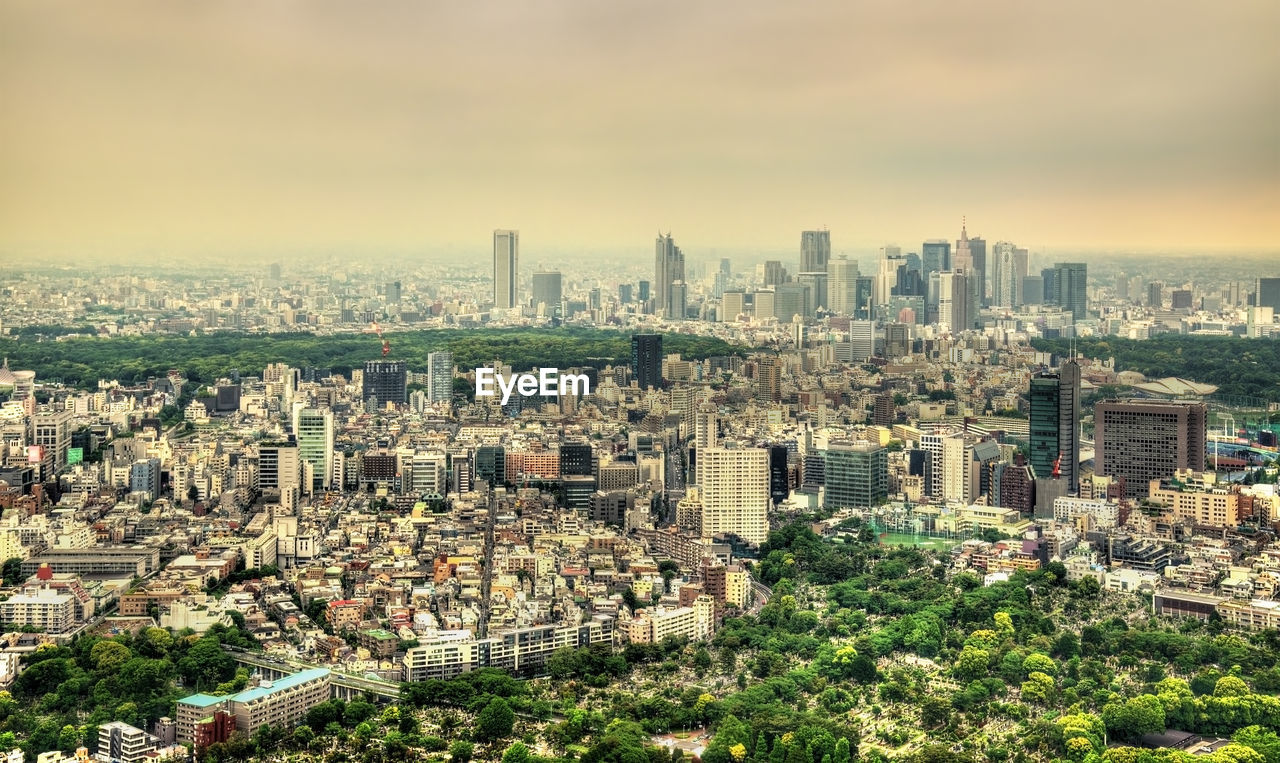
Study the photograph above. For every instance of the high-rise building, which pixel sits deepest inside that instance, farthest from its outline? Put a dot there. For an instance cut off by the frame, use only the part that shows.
(842, 285)
(624, 293)
(440, 376)
(1054, 425)
(978, 283)
(313, 430)
(882, 415)
(385, 381)
(1144, 440)
(779, 473)
(427, 474)
(933, 444)
(1180, 299)
(815, 251)
(1155, 294)
(735, 492)
(1033, 290)
(856, 475)
(1070, 287)
(732, 304)
(643, 292)
(887, 273)
(774, 273)
(953, 300)
(817, 285)
(769, 378)
(862, 341)
(865, 292)
(279, 467)
(51, 430)
(506, 269)
(646, 360)
(935, 257)
(576, 459)
(144, 477)
(1266, 293)
(668, 269)
(790, 300)
(1006, 278)
(393, 293)
(547, 290)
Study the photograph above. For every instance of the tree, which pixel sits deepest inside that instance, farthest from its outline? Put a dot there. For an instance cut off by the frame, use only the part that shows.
(12, 571)
(1263, 741)
(461, 751)
(1038, 662)
(1140, 715)
(108, 656)
(516, 753)
(495, 721)
(934, 712)
(303, 735)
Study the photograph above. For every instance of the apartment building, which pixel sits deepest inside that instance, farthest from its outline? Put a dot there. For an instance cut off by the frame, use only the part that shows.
(280, 703)
(523, 651)
(1197, 497)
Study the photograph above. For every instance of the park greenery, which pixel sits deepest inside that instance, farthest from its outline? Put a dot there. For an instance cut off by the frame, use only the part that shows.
(863, 652)
(82, 361)
(1239, 367)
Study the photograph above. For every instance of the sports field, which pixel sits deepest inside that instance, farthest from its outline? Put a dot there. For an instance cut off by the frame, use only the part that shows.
(921, 541)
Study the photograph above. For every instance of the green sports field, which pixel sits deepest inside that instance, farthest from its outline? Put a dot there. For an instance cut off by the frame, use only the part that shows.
(920, 541)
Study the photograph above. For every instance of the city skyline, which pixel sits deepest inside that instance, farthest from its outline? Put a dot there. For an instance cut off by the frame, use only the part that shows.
(158, 130)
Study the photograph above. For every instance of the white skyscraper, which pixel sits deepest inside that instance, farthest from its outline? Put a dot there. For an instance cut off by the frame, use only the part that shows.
(735, 492)
(842, 285)
(953, 301)
(887, 274)
(506, 269)
(1007, 275)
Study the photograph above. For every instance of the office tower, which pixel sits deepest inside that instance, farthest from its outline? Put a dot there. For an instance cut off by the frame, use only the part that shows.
(953, 301)
(51, 430)
(440, 376)
(624, 293)
(1180, 299)
(897, 340)
(384, 382)
(864, 291)
(1143, 440)
(763, 304)
(677, 301)
(1048, 277)
(856, 476)
(1033, 290)
(790, 300)
(577, 459)
(842, 285)
(978, 284)
(774, 273)
(818, 290)
(882, 415)
(643, 292)
(1006, 280)
(547, 290)
(735, 493)
(1155, 293)
(769, 378)
(313, 429)
(982, 457)
(491, 464)
(1054, 424)
(1014, 487)
(862, 341)
(1266, 293)
(935, 257)
(428, 475)
(144, 477)
(279, 467)
(668, 268)
(393, 293)
(646, 360)
(815, 251)
(506, 269)
(779, 473)
(273, 271)
(732, 304)
(1070, 287)
(887, 273)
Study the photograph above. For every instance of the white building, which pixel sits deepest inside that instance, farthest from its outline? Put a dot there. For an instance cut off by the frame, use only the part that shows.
(735, 492)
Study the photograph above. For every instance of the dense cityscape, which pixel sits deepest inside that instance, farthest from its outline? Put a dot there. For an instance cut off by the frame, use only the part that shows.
(921, 513)
(640, 382)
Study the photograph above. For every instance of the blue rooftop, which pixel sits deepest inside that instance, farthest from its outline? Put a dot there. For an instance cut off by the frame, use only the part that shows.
(288, 682)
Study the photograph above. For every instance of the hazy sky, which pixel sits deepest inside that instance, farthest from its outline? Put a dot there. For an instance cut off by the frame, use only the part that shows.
(301, 126)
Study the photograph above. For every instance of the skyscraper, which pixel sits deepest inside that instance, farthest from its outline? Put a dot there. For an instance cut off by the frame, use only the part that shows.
(842, 285)
(506, 269)
(646, 360)
(735, 492)
(1070, 287)
(1143, 440)
(1054, 424)
(385, 381)
(953, 300)
(774, 273)
(440, 376)
(1006, 280)
(668, 268)
(769, 378)
(815, 250)
(856, 475)
(1266, 293)
(935, 256)
(887, 273)
(547, 290)
(313, 429)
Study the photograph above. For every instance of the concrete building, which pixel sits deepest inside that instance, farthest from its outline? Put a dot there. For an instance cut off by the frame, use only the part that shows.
(1141, 441)
(506, 269)
(279, 703)
(735, 492)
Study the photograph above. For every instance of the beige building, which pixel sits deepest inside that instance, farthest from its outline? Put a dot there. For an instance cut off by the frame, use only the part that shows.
(735, 493)
(1198, 498)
